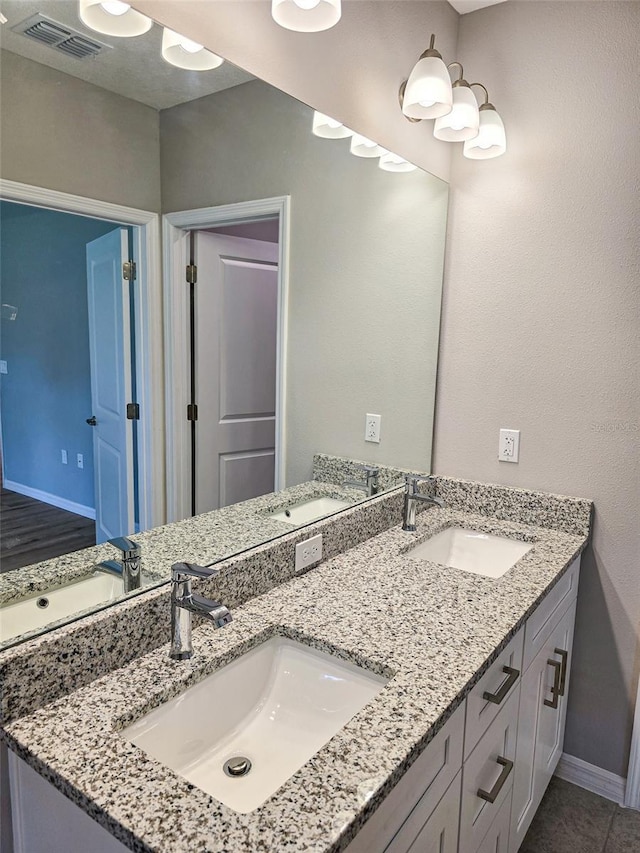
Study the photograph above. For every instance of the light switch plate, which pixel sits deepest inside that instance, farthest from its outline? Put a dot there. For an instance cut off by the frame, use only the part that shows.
(80, 460)
(3, 366)
(509, 445)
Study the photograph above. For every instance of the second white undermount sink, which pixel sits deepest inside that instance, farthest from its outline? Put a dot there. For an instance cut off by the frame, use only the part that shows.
(306, 511)
(244, 730)
(472, 551)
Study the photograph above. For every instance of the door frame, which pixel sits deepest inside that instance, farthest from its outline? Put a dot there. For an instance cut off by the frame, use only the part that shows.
(632, 789)
(148, 328)
(175, 228)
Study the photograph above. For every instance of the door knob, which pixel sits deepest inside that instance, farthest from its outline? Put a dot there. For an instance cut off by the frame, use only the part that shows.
(92, 421)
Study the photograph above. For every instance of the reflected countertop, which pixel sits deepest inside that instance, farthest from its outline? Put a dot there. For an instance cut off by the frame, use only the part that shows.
(437, 629)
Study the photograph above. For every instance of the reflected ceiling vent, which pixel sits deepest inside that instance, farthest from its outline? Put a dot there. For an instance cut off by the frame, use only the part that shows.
(60, 37)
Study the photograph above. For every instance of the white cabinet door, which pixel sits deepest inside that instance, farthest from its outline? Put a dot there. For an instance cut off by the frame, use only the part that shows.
(543, 710)
(439, 834)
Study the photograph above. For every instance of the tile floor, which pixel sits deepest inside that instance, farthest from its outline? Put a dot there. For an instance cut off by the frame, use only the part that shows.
(572, 820)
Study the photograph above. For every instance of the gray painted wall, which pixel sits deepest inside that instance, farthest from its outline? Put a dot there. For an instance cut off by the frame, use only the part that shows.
(542, 314)
(64, 134)
(366, 259)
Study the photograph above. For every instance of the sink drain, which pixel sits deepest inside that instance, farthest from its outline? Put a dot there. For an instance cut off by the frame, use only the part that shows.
(42, 603)
(237, 766)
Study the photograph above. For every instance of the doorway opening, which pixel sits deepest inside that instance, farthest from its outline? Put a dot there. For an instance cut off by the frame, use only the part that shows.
(54, 502)
(226, 353)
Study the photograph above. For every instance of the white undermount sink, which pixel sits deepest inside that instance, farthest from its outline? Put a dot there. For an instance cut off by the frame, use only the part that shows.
(306, 511)
(45, 607)
(274, 708)
(471, 551)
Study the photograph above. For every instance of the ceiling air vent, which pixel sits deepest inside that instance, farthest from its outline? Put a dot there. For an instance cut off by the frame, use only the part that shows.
(59, 37)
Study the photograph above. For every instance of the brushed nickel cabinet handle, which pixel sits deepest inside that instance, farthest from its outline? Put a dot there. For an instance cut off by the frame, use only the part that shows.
(555, 690)
(492, 795)
(564, 654)
(498, 697)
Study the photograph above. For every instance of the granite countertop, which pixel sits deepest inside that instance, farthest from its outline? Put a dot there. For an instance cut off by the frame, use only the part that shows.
(435, 630)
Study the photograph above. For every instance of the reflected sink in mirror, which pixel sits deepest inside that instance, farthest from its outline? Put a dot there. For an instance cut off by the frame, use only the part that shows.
(267, 713)
(471, 551)
(48, 606)
(307, 511)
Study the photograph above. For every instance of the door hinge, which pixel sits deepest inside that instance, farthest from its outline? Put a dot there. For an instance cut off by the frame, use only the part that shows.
(133, 411)
(192, 274)
(192, 412)
(129, 271)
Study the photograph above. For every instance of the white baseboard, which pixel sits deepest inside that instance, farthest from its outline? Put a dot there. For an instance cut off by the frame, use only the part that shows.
(53, 500)
(592, 778)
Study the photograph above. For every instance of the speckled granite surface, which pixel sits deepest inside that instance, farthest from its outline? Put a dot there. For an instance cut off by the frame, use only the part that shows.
(337, 469)
(204, 539)
(436, 629)
(53, 664)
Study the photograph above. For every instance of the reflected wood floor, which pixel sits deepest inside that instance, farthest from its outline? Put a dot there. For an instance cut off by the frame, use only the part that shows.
(31, 531)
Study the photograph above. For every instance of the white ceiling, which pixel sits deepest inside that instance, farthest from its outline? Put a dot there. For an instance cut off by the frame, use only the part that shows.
(464, 6)
(134, 68)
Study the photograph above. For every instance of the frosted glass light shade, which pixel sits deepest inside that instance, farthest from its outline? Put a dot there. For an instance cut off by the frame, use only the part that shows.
(491, 140)
(329, 128)
(184, 53)
(464, 119)
(113, 18)
(306, 16)
(363, 147)
(391, 162)
(428, 91)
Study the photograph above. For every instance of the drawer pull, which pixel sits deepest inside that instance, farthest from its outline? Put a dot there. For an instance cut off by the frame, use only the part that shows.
(563, 677)
(498, 697)
(492, 795)
(557, 678)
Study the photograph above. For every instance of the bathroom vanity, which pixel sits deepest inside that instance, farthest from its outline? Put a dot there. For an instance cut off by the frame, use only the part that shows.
(452, 754)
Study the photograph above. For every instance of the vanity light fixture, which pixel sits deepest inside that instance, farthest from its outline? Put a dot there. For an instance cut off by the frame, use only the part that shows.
(184, 53)
(464, 119)
(113, 18)
(391, 162)
(491, 140)
(329, 128)
(428, 91)
(363, 147)
(306, 16)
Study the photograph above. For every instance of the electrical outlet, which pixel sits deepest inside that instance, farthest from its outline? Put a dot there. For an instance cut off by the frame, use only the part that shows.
(372, 428)
(3, 367)
(63, 454)
(80, 459)
(509, 446)
(308, 552)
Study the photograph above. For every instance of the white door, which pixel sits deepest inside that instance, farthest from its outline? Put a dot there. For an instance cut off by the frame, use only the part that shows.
(110, 353)
(235, 368)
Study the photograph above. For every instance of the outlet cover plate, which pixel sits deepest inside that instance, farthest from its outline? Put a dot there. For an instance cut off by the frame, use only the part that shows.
(308, 552)
(509, 445)
(372, 428)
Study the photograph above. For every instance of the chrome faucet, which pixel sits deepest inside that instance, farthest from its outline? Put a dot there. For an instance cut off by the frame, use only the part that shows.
(370, 484)
(128, 567)
(184, 602)
(411, 498)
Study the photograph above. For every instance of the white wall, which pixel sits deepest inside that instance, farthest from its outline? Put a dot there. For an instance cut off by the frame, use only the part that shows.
(352, 71)
(541, 324)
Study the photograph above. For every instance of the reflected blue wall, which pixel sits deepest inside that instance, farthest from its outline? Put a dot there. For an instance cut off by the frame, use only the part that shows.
(46, 395)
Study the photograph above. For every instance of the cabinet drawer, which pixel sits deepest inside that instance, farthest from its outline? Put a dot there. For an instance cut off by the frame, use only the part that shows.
(426, 781)
(440, 832)
(497, 839)
(498, 682)
(488, 775)
(544, 618)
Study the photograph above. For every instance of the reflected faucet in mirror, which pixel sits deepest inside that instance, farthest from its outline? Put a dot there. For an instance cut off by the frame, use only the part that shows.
(128, 567)
(370, 483)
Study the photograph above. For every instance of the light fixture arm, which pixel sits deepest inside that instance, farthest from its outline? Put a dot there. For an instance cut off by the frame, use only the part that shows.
(461, 76)
(431, 51)
(485, 105)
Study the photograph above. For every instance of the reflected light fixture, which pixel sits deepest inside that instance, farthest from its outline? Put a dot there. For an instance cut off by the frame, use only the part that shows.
(306, 16)
(113, 18)
(491, 140)
(184, 53)
(329, 128)
(464, 119)
(391, 162)
(363, 147)
(428, 92)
